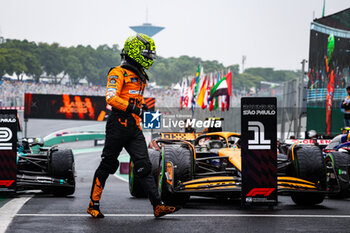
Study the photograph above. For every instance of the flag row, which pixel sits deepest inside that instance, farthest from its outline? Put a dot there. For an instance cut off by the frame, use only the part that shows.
(210, 91)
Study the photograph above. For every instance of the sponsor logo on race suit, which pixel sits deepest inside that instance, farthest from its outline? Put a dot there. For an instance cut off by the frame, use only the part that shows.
(134, 92)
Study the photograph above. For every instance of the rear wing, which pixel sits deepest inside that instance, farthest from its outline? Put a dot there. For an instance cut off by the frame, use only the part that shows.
(9, 124)
(321, 142)
(176, 136)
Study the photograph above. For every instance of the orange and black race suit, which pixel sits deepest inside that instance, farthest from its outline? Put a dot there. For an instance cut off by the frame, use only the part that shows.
(124, 93)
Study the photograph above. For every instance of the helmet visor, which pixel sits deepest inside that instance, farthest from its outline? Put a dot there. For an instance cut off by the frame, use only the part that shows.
(149, 54)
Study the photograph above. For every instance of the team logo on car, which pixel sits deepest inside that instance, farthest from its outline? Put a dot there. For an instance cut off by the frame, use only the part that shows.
(152, 120)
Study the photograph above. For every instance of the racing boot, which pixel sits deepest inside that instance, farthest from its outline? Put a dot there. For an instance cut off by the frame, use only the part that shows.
(94, 210)
(162, 209)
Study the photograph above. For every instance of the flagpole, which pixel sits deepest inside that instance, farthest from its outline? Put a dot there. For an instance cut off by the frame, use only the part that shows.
(324, 7)
(231, 99)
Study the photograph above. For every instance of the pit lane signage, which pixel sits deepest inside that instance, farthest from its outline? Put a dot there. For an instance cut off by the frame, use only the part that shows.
(70, 107)
(8, 149)
(259, 151)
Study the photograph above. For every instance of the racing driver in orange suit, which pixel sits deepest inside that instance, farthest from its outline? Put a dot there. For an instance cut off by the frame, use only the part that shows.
(124, 92)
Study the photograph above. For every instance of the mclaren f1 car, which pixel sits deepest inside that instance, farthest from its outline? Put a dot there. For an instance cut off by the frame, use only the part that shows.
(185, 165)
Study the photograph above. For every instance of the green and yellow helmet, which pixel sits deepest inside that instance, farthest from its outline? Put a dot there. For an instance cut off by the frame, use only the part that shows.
(141, 49)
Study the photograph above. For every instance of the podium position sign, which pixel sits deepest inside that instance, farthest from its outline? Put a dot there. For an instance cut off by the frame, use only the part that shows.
(8, 149)
(259, 151)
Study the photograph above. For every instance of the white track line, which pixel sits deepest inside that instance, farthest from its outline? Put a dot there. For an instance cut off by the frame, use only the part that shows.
(9, 211)
(119, 177)
(194, 215)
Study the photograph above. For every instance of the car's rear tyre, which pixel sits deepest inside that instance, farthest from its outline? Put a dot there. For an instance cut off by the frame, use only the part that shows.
(180, 159)
(308, 164)
(154, 157)
(340, 162)
(135, 187)
(62, 167)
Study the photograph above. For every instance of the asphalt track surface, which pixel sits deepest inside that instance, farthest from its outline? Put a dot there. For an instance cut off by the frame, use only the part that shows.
(41, 128)
(44, 213)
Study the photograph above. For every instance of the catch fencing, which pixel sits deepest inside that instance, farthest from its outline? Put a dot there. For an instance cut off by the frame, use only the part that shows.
(291, 102)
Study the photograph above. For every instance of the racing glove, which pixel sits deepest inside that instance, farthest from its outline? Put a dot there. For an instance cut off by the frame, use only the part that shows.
(144, 107)
(134, 109)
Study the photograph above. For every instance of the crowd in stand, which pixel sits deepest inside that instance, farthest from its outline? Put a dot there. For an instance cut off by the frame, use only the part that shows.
(164, 97)
(12, 92)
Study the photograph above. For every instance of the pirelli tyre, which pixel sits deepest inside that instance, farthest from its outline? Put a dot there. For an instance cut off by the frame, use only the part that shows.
(62, 167)
(340, 162)
(135, 187)
(308, 164)
(154, 157)
(175, 166)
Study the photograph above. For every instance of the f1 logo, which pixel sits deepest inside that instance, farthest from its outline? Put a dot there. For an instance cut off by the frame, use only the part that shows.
(6, 183)
(260, 191)
(5, 136)
(259, 142)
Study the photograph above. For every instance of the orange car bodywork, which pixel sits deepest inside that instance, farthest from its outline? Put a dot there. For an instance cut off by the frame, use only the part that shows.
(227, 183)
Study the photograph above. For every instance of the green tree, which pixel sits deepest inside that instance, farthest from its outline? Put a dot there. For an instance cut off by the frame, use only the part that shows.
(33, 65)
(84, 62)
(270, 75)
(106, 57)
(14, 62)
(160, 73)
(27, 55)
(51, 58)
(3, 64)
(234, 69)
(73, 68)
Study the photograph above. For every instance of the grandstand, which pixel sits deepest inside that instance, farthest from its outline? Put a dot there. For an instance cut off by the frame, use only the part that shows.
(329, 71)
(12, 92)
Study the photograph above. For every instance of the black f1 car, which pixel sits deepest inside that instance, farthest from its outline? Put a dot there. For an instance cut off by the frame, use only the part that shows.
(336, 153)
(48, 169)
(25, 164)
(337, 156)
(210, 165)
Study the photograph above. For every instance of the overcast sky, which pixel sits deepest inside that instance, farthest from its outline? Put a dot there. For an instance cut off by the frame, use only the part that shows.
(271, 33)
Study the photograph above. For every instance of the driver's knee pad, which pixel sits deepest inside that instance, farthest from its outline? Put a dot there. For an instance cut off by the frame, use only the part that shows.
(109, 166)
(142, 168)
